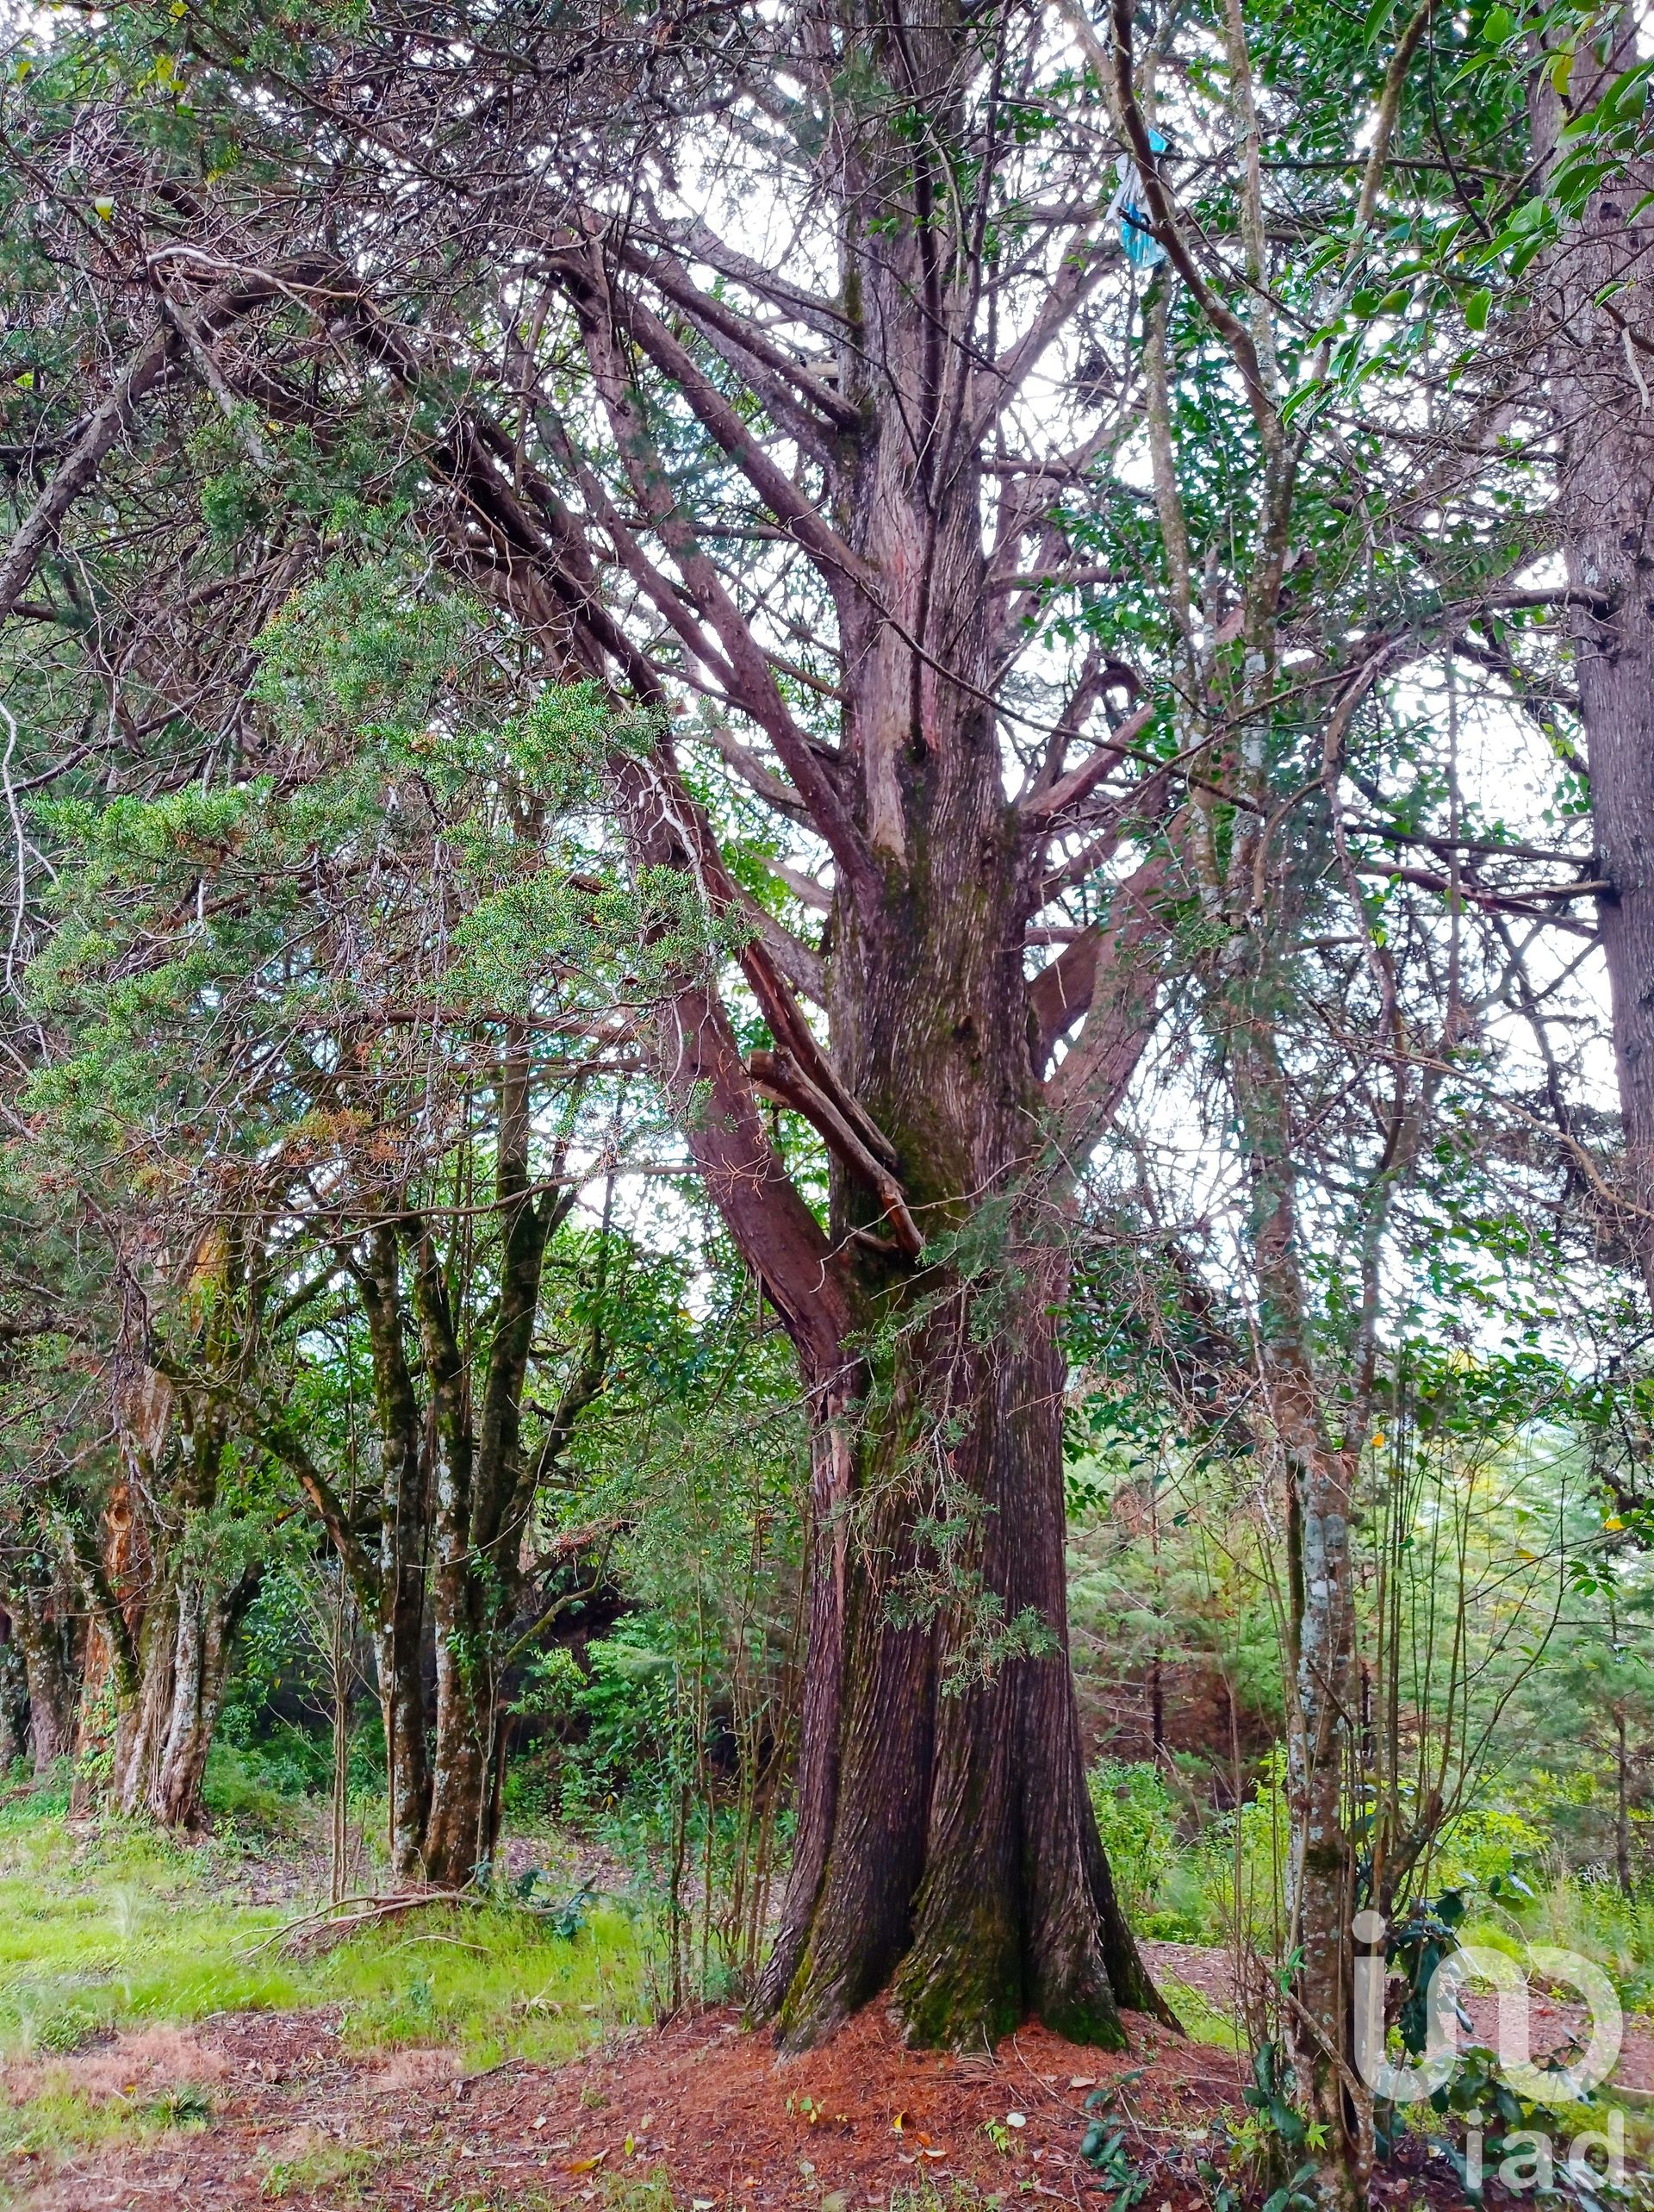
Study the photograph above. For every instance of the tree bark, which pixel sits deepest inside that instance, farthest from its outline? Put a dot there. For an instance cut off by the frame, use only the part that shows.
(47, 1642)
(162, 1748)
(945, 1840)
(391, 1588)
(14, 1697)
(179, 1604)
(49, 1634)
(1322, 1689)
(1600, 365)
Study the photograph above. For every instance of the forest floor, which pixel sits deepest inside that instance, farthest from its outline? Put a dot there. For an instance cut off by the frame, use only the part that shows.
(481, 2067)
(699, 2116)
(696, 2115)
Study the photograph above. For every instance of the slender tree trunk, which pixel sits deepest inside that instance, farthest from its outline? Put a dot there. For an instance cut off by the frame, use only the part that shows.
(1621, 1804)
(1322, 1690)
(393, 1595)
(484, 1489)
(14, 1697)
(46, 1633)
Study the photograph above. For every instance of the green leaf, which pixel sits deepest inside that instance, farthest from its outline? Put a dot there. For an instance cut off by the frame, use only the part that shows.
(1476, 307)
(1498, 26)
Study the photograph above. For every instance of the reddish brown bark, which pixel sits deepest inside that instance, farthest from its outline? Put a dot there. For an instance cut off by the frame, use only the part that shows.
(1601, 361)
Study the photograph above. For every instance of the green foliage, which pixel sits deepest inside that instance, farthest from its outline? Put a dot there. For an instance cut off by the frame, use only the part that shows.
(622, 1709)
(1137, 1818)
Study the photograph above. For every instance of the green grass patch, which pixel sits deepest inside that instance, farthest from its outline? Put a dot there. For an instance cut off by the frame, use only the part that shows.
(116, 1928)
(493, 1981)
(1203, 2022)
(61, 2118)
(339, 2168)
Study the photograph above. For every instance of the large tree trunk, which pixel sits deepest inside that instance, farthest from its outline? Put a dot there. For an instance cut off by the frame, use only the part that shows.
(948, 1841)
(459, 1836)
(185, 1648)
(946, 1838)
(204, 1620)
(180, 1623)
(51, 1700)
(1602, 362)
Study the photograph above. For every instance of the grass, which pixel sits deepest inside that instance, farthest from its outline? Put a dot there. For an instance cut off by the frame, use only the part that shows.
(1201, 2021)
(1591, 1917)
(118, 1928)
(110, 1927)
(340, 2168)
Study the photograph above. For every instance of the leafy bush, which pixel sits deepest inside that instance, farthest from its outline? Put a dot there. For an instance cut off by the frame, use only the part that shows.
(1486, 1844)
(618, 1715)
(1137, 1816)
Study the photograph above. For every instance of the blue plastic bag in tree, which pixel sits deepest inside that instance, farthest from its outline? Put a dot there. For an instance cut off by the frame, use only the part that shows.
(1130, 205)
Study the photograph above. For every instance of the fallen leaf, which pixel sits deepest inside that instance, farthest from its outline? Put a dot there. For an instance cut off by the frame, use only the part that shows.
(897, 2122)
(1015, 2118)
(836, 2201)
(539, 2119)
(933, 2154)
(1082, 2081)
(588, 2166)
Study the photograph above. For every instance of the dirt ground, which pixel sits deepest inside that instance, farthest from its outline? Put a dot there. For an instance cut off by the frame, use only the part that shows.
(285, 2114)
(1553, 2023)
(294, 2119)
